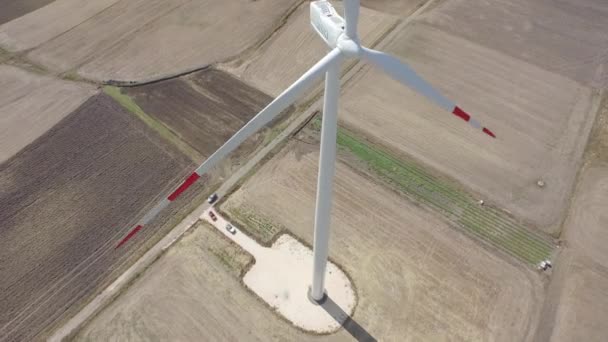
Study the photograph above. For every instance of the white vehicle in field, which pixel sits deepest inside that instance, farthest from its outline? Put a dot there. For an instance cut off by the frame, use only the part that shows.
(230, 228)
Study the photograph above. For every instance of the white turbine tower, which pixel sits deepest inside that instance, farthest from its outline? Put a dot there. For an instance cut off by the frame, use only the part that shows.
(341, 36)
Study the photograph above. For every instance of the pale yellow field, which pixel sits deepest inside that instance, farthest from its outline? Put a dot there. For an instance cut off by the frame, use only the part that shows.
(138, 40)
(31, 104)
(542, 121)
(296, 47)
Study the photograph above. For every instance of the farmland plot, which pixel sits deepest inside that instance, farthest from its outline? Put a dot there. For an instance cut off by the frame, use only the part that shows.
(139, 40)
(296, 47)
(31, 104)
(542, 121)
(202, 109)
(66, 199)
(566, 37)
(433, 282)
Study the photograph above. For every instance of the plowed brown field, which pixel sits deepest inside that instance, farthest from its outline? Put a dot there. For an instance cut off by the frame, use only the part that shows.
(12, 9)
(65, 201)
(203, 109)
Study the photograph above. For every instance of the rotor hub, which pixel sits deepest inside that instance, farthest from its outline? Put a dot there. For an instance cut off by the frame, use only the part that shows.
(350, 48)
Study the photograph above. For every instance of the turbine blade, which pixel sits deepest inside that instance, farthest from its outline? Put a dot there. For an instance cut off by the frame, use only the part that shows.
(405, 74)
(351, 17)
(274, 108)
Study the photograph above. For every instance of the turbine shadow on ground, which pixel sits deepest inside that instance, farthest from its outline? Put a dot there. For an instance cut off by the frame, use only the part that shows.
(347, 322)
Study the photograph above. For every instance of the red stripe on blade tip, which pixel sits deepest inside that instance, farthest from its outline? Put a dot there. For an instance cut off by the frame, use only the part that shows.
(129, 236)
(185, 185)
(488, 132)
(461, 113)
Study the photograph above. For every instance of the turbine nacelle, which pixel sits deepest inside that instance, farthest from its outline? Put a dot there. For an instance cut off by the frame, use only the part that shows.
(332, 28)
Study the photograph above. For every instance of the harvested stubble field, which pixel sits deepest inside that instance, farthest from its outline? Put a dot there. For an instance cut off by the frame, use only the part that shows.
(202, 109)
(567, 37)
(31, 104)
(542, 121)
(431, 280)
(141, 39)
(66, 199)
(274, 66)
(12, 9)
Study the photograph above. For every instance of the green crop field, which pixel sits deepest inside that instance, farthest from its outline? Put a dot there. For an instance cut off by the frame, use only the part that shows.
(483, 222)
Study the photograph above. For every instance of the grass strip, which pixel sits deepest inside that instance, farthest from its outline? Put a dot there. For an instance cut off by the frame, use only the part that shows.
(127, 102)
(492, 226)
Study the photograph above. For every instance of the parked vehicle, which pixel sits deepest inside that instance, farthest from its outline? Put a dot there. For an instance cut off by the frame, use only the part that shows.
(230, 228)
(212, 215)
(212, 198)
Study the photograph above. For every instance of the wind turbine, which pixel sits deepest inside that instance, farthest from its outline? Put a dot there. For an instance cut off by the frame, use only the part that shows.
(341, 37)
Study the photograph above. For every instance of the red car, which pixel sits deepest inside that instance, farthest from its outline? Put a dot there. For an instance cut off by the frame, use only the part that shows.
(212, 215)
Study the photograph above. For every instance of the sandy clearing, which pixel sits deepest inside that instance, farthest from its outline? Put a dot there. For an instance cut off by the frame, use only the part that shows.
(31, 104)
(567, 37)
(542, 121)
(296, 47)
(280, 276)
(431, 281)
(48, 22)
(12, 9)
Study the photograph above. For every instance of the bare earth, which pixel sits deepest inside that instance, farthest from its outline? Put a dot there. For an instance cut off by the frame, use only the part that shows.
(274, 66)
(31, 104)
(137, 40)
(542, 121)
